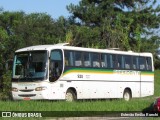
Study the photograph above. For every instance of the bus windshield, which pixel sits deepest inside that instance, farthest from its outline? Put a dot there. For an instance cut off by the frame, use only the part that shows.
(29, 66)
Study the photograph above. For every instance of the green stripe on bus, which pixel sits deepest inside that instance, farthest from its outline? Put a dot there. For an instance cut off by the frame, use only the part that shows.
(147, 73)
(99, 71)
(85, 70)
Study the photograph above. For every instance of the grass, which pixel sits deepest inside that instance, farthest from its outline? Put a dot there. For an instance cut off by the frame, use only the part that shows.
(138, 104)
(96, 105)
(76, 109)
(157, 83)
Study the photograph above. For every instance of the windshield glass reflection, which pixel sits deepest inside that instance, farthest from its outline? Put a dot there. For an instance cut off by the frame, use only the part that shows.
(30, 65)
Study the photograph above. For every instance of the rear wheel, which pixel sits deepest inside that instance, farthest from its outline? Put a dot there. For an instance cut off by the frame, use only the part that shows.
(70, 96)
(127, 95)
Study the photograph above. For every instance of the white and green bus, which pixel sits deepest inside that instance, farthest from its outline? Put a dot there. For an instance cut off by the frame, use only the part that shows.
(62, 72)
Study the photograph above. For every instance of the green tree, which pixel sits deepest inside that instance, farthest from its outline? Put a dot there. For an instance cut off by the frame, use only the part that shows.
(18, 30)
(121, 23)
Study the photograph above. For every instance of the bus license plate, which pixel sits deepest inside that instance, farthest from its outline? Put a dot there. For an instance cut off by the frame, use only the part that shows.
(27, 98)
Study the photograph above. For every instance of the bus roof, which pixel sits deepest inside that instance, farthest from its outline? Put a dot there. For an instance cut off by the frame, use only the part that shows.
(66, 47)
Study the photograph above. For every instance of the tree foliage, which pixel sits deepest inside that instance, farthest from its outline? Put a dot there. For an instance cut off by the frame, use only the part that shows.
(126, 24)
(121, 23)
(18, 30)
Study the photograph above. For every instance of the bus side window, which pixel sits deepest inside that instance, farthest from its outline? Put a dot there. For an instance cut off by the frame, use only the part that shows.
(78, 58)
(95, 60)
(127, 62)
(120, 62)
(148, 63)
(104, 60)
(87, 59)
(142, 64)
(109, 61)
(113, 61)
(134, 61)
(69, 58)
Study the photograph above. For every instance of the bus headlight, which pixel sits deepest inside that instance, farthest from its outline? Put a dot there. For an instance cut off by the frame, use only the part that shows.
(14, 89)
(41, 88)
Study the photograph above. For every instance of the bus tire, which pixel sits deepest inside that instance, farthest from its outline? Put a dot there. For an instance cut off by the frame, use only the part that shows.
(127, 95)
(70, 96)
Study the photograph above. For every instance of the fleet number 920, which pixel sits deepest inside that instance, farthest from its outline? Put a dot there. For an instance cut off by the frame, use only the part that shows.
(80, 76)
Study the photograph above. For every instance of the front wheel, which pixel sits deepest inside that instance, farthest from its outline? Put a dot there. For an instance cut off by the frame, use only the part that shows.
(70, 96)
(127, 95)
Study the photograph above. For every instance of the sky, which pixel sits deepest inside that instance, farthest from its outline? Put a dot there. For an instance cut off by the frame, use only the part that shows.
(54, 8)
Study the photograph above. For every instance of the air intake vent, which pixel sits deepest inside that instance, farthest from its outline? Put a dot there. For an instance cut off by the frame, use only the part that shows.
(27, 95)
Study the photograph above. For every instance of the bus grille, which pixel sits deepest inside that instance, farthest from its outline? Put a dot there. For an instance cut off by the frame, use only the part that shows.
(27, 90)
(27, 95)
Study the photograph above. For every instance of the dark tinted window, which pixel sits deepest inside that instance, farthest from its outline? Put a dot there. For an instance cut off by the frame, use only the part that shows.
(148, 63)
(127, 62)
(95, 60)
(120, 62)
(112, 61)
(135, 64)
(142, 65)
(69, 58)
(104, 60)
(87, 59)
(78, 58)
